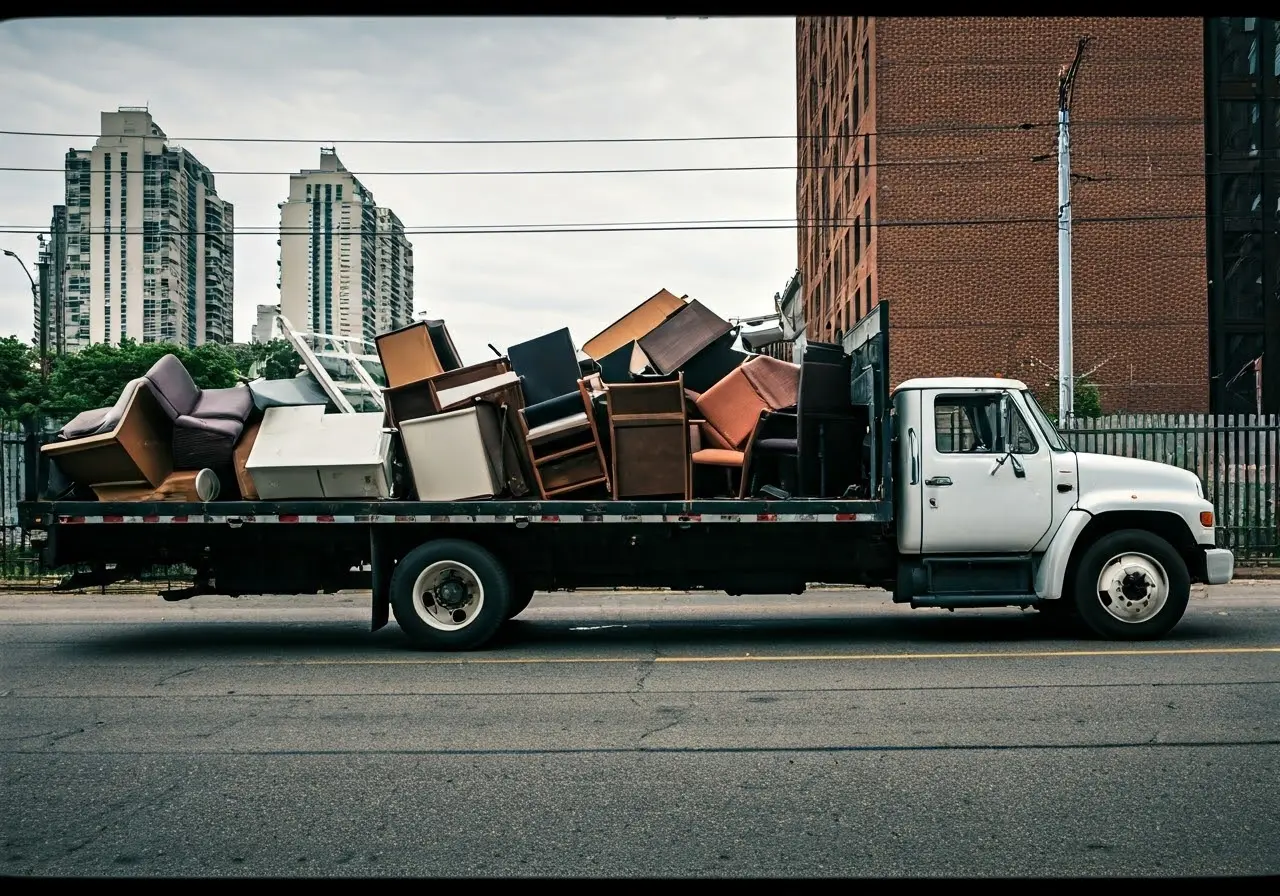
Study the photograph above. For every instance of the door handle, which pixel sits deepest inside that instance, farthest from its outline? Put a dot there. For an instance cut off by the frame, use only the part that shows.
(938, 481)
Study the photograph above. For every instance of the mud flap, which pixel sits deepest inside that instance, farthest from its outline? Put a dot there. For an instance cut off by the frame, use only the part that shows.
(382, 560)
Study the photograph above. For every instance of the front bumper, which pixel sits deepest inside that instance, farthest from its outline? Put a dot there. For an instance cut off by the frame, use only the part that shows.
(1219, 566)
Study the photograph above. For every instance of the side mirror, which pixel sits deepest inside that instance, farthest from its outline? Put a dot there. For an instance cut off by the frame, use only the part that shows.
(1004, 439)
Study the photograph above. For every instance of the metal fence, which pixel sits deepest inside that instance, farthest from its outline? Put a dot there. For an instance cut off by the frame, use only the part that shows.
(1235, 456)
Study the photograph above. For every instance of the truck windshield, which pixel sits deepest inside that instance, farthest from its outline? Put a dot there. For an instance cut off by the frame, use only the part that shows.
(1050, 431)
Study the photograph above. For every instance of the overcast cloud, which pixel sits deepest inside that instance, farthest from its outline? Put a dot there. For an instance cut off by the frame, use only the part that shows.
(328, 79)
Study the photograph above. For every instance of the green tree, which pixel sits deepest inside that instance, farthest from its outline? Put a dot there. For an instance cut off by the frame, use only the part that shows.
(1086, 397)
(19, 377)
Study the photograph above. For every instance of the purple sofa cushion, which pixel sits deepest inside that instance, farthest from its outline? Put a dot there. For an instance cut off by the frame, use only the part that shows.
(173, 386)
(230, 404)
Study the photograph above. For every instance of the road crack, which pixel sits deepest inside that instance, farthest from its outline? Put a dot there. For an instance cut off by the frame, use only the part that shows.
(168, 678)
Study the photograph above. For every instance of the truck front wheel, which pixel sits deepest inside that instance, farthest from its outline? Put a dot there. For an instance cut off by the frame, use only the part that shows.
(449, 594)
(1131, 585)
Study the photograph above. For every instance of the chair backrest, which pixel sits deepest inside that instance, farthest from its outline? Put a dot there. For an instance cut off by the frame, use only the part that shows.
(824, 406)
(100, 420)
(823, 390)
(175, 391)
(547, 366)
(645, 399)
(681, 336)
(778, 382)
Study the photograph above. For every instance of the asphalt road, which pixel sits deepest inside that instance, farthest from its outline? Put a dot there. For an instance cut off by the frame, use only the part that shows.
(830, 734)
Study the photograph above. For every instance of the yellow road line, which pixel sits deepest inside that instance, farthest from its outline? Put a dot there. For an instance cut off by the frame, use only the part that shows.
(794, 658)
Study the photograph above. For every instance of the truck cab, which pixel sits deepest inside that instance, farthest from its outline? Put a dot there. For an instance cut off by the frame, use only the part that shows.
(993, 508)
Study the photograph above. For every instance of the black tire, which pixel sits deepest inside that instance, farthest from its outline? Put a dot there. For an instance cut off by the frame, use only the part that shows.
(1060, 615)
(1155, 558)
(434, 630)
(521, 596)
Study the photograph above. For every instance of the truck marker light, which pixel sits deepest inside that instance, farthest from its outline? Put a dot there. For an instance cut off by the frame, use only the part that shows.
(1206, 518)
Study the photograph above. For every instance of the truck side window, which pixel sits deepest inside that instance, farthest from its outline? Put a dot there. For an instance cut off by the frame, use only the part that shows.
(969, 424)
(1020, 437)
(965, 423)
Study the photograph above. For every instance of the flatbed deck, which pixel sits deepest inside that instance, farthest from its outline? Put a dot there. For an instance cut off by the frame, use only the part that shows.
(36, 515)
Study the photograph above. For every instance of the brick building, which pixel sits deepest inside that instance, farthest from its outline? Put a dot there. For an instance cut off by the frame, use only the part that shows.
(928, 177)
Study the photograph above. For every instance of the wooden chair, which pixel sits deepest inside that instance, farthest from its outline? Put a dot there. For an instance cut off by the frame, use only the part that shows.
(649, 437)
(565, 452)
(731, 460)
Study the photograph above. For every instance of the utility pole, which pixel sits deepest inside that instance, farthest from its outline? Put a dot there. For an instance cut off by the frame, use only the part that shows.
(1066, 379)
(42, 266)
(38, 302)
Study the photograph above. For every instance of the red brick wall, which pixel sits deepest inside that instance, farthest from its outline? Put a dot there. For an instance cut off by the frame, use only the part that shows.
(982, 298)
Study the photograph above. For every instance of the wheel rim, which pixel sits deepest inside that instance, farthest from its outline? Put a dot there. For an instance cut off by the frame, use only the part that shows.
(1133, 587)
(448, 595)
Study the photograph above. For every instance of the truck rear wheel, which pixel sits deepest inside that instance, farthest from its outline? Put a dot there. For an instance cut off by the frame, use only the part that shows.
(449, 594)
(1131, 585)
(521, 596)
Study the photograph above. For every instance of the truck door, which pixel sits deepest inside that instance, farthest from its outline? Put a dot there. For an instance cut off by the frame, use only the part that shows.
(986, 481)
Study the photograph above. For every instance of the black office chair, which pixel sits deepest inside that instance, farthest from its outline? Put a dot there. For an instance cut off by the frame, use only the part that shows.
(813, 450)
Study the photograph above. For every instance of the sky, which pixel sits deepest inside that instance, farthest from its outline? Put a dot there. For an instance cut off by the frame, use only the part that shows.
(331, 81)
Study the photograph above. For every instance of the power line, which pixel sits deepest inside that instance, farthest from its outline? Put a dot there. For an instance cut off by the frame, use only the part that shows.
(304, 229)
(892, 163)
(966, 222)
(712, 138)
(907, 130)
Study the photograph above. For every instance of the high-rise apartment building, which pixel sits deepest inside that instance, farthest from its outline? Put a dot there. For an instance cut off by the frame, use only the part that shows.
(345, 264)
(393, 305)
(150, 243)
(928, 177)
(49, 310)
(264, 329)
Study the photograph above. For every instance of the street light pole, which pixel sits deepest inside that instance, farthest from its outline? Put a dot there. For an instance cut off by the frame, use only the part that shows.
(38, 299)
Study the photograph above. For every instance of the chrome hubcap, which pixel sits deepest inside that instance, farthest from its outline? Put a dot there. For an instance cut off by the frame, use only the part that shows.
(448, 595)
(1133, 587)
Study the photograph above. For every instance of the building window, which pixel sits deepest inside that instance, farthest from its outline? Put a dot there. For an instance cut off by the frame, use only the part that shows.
(1243, 291)
(1239, 46)
(866, 75)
